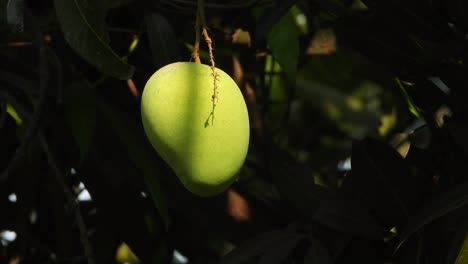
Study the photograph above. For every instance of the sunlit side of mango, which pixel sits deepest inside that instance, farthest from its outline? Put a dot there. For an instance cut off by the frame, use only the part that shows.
(204, 143)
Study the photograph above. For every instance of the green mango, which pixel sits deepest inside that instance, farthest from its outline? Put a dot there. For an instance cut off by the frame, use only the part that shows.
(205, 142)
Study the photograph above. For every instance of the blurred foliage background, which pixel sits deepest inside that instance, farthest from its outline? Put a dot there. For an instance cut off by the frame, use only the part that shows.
(358, 145)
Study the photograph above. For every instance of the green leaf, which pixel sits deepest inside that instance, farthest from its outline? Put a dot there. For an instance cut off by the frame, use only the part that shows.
(80, 110)
(139, 151)
(12, 112)
(84, 33)
(438, 207)
(283, 40)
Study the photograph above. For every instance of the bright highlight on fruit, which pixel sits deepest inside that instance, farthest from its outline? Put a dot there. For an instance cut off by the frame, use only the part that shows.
(204, 143)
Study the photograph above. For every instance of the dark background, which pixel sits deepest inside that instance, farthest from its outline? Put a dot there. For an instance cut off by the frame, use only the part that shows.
(358, 145)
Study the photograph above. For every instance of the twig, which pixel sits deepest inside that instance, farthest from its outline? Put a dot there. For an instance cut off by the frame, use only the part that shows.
(39, 105)
(88, 251)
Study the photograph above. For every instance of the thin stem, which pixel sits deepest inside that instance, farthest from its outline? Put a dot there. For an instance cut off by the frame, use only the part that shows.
(196, 46)
(209, 42)
(199, 22)
(70, 199)
(39, 105)
(201, 12)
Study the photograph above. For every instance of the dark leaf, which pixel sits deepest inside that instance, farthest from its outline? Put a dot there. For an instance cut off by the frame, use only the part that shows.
(295, 182)
(162, 40)
(380, 179)
(278, 253)
(270, 18)
(84, 35)
(119, 3)
(458, 254)
(256, 246)
(15, 15)
(22, 83)
(335, 7)
(95, 12)
(438, 207)
(458, 131)
(317, 253)
(139, 151)
(80, 109)
(389, 36)
(423, 166)
(283, 40)
(456, 12)
(350, 218)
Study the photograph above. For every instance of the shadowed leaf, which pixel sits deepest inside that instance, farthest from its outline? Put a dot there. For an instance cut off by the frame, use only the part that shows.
(462, 257)
(348, 217)
(459, 131)
(80, 109)
(295, 182)
(132, 136)
(380, 179)
(15, 14)
(256, 246)
(438, 207)
(317, 253)
(162, 40)
(458, 254)
(278, 253)
(283, 40)
(85, 36)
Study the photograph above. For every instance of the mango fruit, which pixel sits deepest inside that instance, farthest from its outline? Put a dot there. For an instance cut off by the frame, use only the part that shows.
(205, 142)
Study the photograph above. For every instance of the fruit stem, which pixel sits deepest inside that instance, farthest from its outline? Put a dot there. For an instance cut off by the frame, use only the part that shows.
(209, 42)
(199, 22)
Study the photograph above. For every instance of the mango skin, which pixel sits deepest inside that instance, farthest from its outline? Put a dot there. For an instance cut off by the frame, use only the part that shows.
(205, 152)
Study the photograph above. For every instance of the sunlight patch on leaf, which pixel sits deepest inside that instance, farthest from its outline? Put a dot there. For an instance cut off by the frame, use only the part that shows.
(12, 112)
(125, 255)
(462, 257)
